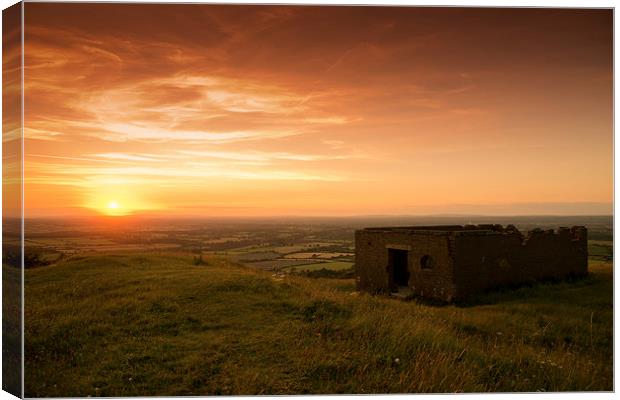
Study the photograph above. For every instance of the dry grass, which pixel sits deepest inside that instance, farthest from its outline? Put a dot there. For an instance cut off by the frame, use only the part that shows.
(11, 330)
(158, 325)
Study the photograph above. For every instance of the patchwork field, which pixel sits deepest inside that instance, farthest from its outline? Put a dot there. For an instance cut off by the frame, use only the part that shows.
(288, 246)
(334, 266)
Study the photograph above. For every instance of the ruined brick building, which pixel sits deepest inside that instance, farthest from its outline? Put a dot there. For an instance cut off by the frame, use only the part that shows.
(451, 262)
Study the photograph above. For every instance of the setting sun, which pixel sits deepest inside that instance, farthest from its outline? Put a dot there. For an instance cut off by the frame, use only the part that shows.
(114, 200)
(115, 209)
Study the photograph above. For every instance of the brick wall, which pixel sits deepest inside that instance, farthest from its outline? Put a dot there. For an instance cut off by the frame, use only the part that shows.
(469, 259)
(371, 261)
(483, 261)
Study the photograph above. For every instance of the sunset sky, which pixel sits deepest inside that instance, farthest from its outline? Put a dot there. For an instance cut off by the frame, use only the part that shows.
(256, 111)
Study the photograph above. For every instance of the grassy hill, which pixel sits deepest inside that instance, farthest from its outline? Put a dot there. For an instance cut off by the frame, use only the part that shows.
(140, 324)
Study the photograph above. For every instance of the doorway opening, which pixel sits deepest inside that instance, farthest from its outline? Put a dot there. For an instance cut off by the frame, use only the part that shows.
(398, 266)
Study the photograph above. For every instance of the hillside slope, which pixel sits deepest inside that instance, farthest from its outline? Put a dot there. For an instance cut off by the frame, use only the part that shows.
(141, 324)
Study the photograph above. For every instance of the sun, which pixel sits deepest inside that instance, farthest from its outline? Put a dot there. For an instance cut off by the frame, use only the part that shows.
(114, 208)
(117, 202)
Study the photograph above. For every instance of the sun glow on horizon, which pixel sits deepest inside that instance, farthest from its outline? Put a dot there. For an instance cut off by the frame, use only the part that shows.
(114, 208)
(116, 202)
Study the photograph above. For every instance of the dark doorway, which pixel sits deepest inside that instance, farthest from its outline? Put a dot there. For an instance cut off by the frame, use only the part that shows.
(398, 267)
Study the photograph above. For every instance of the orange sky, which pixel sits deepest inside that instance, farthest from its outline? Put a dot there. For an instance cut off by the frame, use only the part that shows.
(252, 110)
(11, 112)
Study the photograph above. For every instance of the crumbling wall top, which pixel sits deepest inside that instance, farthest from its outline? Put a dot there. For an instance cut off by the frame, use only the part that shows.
(575, 232)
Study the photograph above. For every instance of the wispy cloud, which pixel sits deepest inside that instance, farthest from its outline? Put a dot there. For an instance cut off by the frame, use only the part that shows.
(130, 157)
(120, 132)
(142, 174)
(264, 157)
(28, 155)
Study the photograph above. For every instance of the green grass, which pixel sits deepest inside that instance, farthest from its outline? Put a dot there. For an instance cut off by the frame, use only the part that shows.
(333, 265)
(11, 329)
(278, 249)
(601, 250)
(158, 325)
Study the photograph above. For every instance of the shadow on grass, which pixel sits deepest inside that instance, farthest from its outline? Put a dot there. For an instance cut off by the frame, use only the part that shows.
(548, 291)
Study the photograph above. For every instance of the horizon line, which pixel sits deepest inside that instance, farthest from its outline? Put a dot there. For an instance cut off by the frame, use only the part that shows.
(351, 216)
